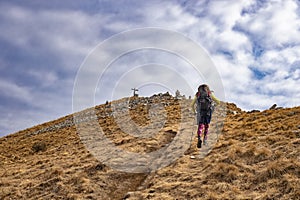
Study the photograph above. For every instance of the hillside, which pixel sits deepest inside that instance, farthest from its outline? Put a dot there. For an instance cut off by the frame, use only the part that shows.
(253, 155)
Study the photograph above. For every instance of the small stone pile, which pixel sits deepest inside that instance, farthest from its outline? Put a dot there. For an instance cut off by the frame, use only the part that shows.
(111, 109)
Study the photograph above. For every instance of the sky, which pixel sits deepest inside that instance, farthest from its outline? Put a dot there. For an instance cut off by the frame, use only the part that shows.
(254, 45)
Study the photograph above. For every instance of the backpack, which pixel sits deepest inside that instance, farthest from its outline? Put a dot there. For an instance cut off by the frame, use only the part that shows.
(204, 101)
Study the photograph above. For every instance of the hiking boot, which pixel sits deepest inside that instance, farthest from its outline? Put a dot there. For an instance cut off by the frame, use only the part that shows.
(199, 142)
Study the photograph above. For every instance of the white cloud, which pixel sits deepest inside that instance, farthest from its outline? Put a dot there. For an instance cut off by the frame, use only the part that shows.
(66, 33)
(12, 90)
(279, 58)
(274, 25)
(170, 16)
(226, 13)
(231, 38)
(46, 78)
(229, 30)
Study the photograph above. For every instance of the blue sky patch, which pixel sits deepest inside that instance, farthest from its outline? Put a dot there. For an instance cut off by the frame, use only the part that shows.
(258, 74)
(226, 53)
(257, 50)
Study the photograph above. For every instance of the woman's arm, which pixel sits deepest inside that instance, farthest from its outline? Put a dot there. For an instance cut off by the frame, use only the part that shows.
(193, 104)
(215, 99)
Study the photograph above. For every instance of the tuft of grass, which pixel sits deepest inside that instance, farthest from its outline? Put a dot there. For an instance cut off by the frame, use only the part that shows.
(262, 153)
(224, 172)
(276, 169)
(221, 187)
(290, 185)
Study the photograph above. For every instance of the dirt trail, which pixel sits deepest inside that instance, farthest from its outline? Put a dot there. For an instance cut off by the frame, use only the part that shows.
(255, 155)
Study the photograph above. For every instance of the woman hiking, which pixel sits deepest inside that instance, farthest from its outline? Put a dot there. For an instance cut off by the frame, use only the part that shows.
(203, 98)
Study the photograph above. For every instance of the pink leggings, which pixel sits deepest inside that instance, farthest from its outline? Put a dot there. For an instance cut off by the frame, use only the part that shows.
(200, 130)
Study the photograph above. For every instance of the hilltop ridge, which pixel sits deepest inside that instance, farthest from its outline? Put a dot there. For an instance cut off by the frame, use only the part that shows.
(255, 156)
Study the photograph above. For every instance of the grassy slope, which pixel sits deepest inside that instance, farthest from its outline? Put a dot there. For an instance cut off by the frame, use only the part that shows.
(256, 157)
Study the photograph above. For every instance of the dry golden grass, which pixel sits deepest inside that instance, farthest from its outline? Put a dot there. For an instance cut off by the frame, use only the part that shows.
(256, 157)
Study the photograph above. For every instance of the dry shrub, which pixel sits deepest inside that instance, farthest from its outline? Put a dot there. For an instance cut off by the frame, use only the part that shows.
(39, 146)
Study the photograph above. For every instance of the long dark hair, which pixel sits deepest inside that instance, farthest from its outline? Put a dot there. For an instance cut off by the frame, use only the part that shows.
(203, 88)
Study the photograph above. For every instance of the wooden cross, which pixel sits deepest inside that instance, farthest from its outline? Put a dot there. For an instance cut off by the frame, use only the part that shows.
(134, 90)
